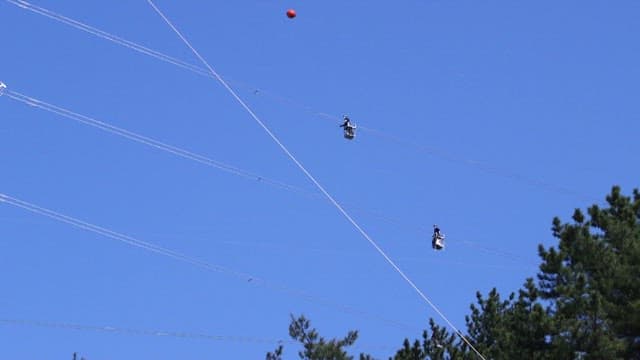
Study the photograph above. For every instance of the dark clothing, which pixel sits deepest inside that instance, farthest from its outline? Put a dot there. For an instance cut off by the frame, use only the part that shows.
(436, 236)
(348, 128)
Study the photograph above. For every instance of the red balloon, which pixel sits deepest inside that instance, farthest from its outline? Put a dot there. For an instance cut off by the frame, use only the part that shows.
(291, 13)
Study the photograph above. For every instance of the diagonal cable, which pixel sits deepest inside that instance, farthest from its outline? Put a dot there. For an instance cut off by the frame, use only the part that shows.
(312, 178)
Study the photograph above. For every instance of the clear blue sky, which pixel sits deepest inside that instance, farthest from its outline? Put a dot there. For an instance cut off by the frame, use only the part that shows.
(546, 93)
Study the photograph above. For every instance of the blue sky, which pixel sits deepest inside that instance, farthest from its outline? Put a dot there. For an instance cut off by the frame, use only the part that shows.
(486, 118)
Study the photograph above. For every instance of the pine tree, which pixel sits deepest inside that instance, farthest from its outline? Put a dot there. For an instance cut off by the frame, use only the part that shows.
(592, 281)
(315, 346)
(441, 345)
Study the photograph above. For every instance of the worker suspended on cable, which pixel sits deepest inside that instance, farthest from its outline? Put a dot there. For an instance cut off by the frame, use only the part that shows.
(349, 128)
(437, 241)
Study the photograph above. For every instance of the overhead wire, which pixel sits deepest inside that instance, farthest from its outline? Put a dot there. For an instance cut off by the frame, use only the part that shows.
(487, 168)
(208, 161)
(163, 57)
(336, 252)
(108, 36)
(147, 51)
(140, 332)
(246, 277)
(147, 140)
(243, 339)
(139, 138)
(155, 143)
(313, 179)
(482, 166)
(249, 278)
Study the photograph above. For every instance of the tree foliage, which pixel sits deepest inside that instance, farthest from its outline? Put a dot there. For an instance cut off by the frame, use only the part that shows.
(592, 281)
(315, 347)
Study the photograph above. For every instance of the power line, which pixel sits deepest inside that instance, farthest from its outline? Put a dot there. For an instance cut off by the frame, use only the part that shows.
(312, 178)
(108, 36)
(107, 329)
(484, 167)
(248, 278)
(148, 141)
(140, 332)
(173, 149)
(202, 159)
(487, 168)
(22, 4)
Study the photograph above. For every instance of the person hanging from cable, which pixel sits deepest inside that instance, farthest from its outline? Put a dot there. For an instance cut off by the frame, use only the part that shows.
(349, 128)
(437, 241)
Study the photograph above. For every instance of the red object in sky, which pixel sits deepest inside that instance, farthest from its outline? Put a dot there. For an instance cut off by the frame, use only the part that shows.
(291, 13)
